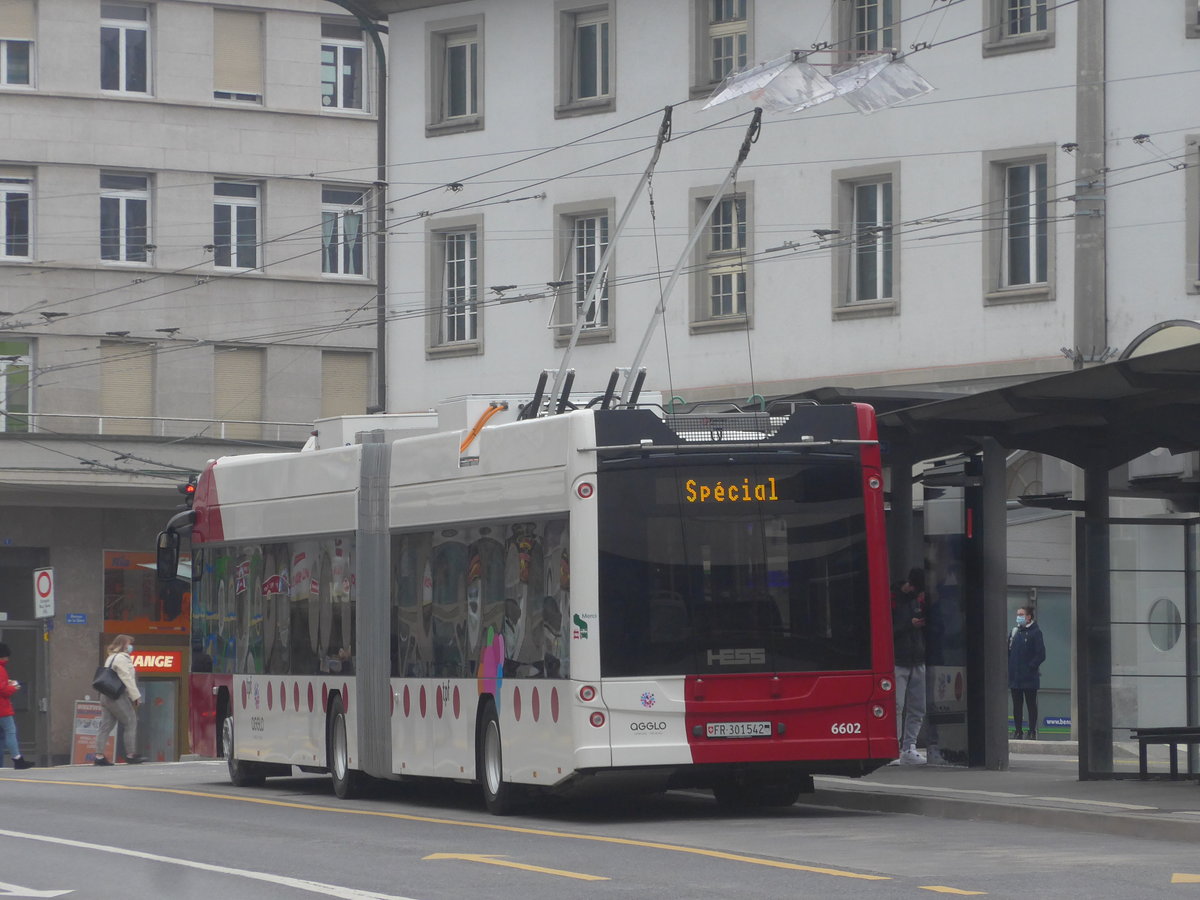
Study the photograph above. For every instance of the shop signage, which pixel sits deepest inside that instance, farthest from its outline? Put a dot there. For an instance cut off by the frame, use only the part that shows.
(155, 661)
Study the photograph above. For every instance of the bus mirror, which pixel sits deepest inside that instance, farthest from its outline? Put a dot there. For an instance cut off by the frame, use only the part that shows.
(168, 555)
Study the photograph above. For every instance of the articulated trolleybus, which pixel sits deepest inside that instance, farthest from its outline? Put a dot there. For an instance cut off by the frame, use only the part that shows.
(593, 596)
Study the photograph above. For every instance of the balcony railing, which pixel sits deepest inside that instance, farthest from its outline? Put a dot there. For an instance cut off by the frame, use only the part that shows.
(154, 426)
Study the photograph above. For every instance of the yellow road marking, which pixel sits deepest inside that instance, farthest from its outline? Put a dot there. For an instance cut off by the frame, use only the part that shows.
(460, 823)
(942, 889)
(493, 860)
(1185, 878)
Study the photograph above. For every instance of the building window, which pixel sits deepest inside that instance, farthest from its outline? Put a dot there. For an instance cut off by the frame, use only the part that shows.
(1025, 225)
(725, 39)
(124, 48)
(866, 27)
(14, 217)
(721, 288)
(586, 60)
(237, 55)
(15, 365)
(455, 97)
(1014, 25)
(865, 253)
(235, 224)
(342, 215)
(460, 286)
(124, 217)
(583, 239)
(1191, 10)
(343, 55)
(127, 387)
(1019, 247)
(134, 601)
(345, 383)
(455, 264)
(17, 21)
(1192, 205)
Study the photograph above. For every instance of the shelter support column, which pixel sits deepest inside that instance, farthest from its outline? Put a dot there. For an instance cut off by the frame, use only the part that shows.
(1093, 637)
(991, 625)
(900, 523)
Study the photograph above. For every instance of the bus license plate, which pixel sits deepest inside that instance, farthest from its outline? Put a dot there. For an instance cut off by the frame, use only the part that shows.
(738, 729)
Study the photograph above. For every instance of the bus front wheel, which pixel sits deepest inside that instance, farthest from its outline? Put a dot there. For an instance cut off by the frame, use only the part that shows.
(347, 783)
(498, 794)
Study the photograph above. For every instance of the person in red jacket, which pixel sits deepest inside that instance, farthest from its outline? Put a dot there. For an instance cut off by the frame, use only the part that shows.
(8, 722)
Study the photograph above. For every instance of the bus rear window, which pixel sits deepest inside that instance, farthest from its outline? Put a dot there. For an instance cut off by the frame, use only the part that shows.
(733, 568)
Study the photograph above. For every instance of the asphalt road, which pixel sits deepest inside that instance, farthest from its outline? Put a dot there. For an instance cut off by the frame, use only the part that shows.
(181, 831)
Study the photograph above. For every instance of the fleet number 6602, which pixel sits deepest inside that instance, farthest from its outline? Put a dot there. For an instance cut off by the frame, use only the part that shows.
(846, 728)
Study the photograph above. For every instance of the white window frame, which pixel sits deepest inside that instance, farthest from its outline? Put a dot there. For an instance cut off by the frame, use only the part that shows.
(233, 204)
(572, 17)
(339, 46)
(231, 25)
(708, 29)
(1014, 26)
(128, 250)
(336, 212)
(851, 238)
(724, 252)
(19, 421)
(6, 47)
(454, 279)
(856, 36)
(124, 27)
(1000, 242)
(12, 188)
(443, 37)
(1191, 10)
(574, 279)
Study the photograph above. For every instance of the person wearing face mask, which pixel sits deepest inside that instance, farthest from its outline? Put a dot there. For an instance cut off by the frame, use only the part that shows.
(1026, 653)
(123, 709)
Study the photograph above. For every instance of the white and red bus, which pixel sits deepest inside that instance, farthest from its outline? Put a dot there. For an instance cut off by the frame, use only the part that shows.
(590, 595)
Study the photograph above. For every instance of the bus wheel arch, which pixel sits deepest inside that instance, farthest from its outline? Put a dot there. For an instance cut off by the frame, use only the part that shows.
(499, 795)
(241, 773)
(347, 782)
(224, 711)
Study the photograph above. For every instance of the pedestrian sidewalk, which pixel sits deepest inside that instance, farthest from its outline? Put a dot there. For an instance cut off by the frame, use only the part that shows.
(1041, 787)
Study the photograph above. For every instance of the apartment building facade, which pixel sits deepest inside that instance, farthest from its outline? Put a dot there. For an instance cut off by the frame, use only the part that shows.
(186, 270)
(1037, 212)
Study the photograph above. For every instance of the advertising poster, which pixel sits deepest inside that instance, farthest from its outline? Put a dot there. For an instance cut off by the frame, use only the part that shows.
(83, 739)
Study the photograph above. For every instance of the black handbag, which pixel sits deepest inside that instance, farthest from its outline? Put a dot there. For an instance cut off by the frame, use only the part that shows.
(108, 682)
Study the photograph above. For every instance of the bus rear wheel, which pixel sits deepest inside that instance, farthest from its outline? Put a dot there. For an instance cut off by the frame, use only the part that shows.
(241, 773)
(499, 795)
(347, 782)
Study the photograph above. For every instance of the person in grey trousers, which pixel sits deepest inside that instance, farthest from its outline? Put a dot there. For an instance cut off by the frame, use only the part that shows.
(123, 709)
(909, 609)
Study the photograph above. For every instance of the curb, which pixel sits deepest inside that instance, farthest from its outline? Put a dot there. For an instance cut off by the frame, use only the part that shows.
(1124, 824)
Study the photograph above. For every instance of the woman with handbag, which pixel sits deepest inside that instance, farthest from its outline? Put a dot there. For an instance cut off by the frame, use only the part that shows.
(123, 708)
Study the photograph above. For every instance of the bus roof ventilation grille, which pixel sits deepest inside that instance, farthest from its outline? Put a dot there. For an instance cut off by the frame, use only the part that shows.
(739, 427)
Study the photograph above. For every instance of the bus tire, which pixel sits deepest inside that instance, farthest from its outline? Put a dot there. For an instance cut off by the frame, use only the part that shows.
(347, 782)
(241, 773)
(499, 795)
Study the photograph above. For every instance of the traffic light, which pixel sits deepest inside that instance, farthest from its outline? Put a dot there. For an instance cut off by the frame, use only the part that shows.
(188, 490)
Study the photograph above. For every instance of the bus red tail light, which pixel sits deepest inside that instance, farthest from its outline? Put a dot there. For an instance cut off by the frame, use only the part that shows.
(885, 684)
(597, 719)
(587, 693)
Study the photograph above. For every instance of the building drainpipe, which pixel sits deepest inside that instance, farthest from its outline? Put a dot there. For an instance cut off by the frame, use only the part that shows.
(1091, 160)
(374, 29)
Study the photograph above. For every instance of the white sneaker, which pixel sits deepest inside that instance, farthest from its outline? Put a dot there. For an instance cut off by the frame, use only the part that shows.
(910, 757)
(894, 762)
(933, 757)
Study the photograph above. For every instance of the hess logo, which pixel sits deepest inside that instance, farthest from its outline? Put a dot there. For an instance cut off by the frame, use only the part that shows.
(738, 656)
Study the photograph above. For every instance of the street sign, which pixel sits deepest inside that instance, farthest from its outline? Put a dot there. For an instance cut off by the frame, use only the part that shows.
(43, 593)
(76, 618)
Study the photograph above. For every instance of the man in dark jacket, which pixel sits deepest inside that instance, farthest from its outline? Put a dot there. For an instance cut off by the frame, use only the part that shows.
(1026, 652)
(908, 633)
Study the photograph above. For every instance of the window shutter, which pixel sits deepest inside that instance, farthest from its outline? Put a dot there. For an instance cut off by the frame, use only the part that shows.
(16, 20)
(238, 390)
(345, 380)
(127, 386)
(237, 52)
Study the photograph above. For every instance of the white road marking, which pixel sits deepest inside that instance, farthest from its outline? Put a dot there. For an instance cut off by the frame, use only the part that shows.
(315, 887)
(15, 890)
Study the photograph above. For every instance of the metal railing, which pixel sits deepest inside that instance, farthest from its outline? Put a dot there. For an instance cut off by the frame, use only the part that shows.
(154, 426)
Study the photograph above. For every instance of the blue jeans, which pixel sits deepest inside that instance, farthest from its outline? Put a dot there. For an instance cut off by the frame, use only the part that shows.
(8, 738)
